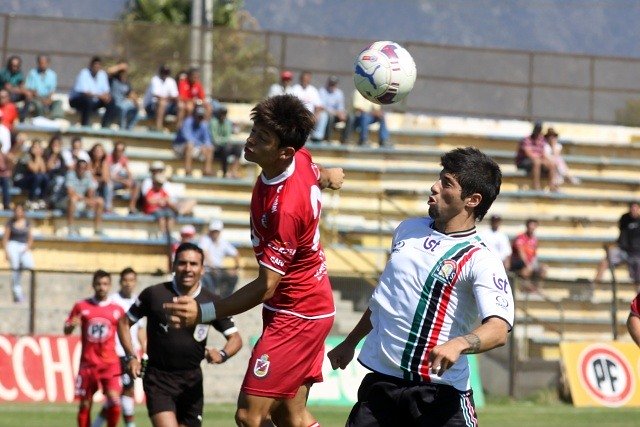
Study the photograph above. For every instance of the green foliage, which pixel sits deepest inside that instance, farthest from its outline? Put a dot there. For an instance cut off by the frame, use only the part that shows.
(630, 114)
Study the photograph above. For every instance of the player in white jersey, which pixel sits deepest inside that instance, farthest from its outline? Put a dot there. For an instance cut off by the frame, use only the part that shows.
(439, 280)
(125, 297)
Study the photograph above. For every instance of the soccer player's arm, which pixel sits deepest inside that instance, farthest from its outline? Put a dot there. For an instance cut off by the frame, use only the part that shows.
(72, 321)
(633, 321)
(343, 353)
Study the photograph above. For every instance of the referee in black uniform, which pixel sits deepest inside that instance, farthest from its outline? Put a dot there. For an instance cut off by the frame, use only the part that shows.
(173, 378)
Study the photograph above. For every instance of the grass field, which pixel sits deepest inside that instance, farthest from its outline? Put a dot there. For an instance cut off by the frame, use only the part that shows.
(496, 414)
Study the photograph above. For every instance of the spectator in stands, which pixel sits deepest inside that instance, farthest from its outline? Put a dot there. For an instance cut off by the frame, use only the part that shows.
(158, 202)
(333, 111)
(12, 79)
(81, 197)
(18, 243)
(627, 249)
(35, 179)
(194, 142)
(191, 94)
(161, 97)
(553, 151)
(124, 100)
(221, 129)
(633, 320)
(217, 278)
(8, 110)
(524, 259)
(308, 94)
(9, 155)
(121, 177)
(531, 158)
(498, 241)
(99, 167)
(366, 113)
(136, 201)
(71, 156)
(42, 83)
(284, 87)
(90, 91)
(56, 169)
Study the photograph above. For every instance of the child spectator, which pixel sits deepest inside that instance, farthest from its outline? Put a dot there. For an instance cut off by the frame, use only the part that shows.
(221, 129)
(99, 167)
(90, 91)
(18, 242)
(161, 97)
(42, 82)
(194, 142)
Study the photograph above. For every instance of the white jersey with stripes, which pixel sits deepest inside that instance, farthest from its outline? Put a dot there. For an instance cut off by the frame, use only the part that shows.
(435, 287)
(125, 303)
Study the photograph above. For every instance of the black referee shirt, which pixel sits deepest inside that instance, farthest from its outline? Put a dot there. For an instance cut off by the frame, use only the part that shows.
(174, 349)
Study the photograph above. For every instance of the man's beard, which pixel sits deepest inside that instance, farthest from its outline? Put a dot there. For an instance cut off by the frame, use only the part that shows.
(433, 212)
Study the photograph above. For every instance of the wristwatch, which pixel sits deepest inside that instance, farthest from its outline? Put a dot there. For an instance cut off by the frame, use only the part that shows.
(129, 357)
(224, 356)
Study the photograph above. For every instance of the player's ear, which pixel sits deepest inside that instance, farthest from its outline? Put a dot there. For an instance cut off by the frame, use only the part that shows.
(287, 153)
(474, 200)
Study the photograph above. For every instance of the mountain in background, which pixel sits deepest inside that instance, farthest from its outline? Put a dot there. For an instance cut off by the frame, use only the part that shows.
(600, 27)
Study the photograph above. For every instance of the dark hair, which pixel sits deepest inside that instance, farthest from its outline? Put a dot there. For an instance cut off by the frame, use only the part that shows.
(287, 117)
(529, 221)
(126, 271)
(95, 59)
(188, 246)
(13, 58)
(476, 173)
(99, 274)
(41, 56)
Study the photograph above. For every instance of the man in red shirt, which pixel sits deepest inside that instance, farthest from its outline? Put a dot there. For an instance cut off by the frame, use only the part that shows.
(292, 281)
(531, 157)
(99, 362)
(158, 202)
(190, 94)
(524, 258)
(8, 110)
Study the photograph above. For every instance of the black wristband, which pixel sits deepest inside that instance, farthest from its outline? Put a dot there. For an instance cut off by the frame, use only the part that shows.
(224, 356)
(129, 357)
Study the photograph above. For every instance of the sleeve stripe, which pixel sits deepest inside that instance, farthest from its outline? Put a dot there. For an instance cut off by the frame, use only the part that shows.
(131, 317)
(499, 317)
(230, 331)
(271, 267)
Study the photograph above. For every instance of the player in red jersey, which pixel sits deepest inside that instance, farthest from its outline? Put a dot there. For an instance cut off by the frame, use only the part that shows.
(99, 362)
(292, 282)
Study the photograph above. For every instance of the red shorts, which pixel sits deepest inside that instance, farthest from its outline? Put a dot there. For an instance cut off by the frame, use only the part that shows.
(288, 355)
(91, 377)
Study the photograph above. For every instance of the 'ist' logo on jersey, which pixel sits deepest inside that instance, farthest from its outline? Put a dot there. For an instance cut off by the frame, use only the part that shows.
(261, 368)
(446, 271)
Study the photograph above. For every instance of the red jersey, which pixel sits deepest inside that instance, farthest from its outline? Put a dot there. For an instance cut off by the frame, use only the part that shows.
(99, 323)
(153, 198)
(528, 244)
(285, 233)
(8, 115)
(188, 90)
(635, 306)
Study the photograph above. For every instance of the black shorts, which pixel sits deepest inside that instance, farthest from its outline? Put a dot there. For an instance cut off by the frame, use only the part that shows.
(389, 401)
(180, 392)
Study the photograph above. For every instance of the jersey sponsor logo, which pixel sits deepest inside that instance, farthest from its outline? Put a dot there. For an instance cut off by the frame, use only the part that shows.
(446, 271)
(398, 245)
(501, 284)
(261, 368)
(431, 244)
(282, 249)
(200, 332)
(98, 329)
(277, 261)
(502, 301)
(164, 326)
(274, 207)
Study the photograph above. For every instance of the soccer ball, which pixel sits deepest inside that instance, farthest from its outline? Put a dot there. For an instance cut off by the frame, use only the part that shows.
(384, 72)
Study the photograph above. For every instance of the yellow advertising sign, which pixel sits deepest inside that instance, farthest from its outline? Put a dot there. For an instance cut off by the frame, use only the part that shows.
(602, 374)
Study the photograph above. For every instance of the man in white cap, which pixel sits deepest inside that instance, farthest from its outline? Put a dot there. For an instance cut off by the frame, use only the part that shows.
(217, 278)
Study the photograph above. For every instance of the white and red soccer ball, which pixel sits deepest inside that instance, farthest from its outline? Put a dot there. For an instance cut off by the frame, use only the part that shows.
(384, 72)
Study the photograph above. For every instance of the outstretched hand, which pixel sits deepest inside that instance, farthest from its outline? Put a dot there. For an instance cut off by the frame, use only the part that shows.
(182, 312)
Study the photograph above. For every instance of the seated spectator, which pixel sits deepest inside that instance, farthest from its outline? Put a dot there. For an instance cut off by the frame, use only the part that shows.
(99, 168)
(71, 155)
(8, 110)
(627, 248)
(9, 156)
(56, 170)
(497, 241)
(229, 154)
(191, 94)
(218, 279)
(90, 91)
(81, 197)
(42, 82)
(194, 142)
(18, 242)
(284, 87)
(123, 107)
(187, 235)
(531, 157)
(308, 93)
(158, 202)
(121, 177)
(333, 111)
(12, 79)
(366, 113)
(553, 151)
(35, 177)
(524, 259)
(161, 97)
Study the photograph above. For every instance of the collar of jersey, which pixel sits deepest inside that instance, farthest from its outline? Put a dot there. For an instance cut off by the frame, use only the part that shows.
(284, 175)
(175, 289)
(456, 234)
(101, 303)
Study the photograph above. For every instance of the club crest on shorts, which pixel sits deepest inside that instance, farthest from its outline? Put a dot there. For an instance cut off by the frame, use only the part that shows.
(261, 368)
(200, 333)
(446, 271)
